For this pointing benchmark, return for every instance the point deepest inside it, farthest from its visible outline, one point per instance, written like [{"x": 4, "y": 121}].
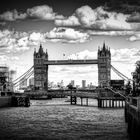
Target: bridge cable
[
  {"x": 23, "y": 74},
  {"x": 120, "y": 74},
  {"x": 24, "y": 77},
  {"x": 26, "y": 73}
]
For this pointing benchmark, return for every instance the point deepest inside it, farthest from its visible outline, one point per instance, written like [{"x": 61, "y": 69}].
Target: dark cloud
[
  {"x": 125, "y": 6},
  {"x": 134, "y": 17}
]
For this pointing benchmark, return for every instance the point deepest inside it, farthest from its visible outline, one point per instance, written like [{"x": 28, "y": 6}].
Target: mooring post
[
  {"x": 106, "y": 103},
  {"x": 119, "y": 103},
  {"x": 98, "y": 102},
  {"x": 87, "y": 101},
  {"x": 109, "y": 103},
  {"x": 112, "y": 103},
  {"x": 103, "y": 102},
  {"x": 81, "y": 101}
]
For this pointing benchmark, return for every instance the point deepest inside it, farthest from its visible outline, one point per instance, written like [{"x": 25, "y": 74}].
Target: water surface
[{"x": 57, "y": 120}]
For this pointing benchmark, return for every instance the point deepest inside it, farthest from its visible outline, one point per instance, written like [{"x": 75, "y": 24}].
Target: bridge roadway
[
  {"x": 78, "y": 93},
  {"x": 70, "y": 62}
]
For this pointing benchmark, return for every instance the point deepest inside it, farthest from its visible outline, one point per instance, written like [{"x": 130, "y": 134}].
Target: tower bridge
[
  {"x": 41, "y": 64},
  {"x": 103, "y": 62}
]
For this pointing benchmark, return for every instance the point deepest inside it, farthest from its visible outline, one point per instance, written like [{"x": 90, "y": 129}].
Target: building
[
  {"x": 31, "y": 81},
  {"x": 104, "y": 66},
  {"x": 83, "y": 83},
  {"x": 117, "y": 84},
  {"x": 40, "y": 70},
  {"x": 4, "y": 77},
  {"x": 73, "y": 83}
]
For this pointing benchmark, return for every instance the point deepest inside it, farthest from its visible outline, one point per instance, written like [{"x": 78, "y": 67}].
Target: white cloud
[
  {"x": 67, "y": 35},
  {"x": 98, "y": 19},
  {"x": 12, "y": 41},
  {"x": 43, "y": 12},
  {"x": 86, "y": 54},
  {"x": 110, "y": 33},
  {"x": 122, "y": 59},
  {"x": 128, "y": 56},
  {"x": 70, "y": 21},
  {"x": 36, "y": 37},
  {"x": 12, "y": 15},
  {"x": 3, "y": 58},
  {"x": 135, "y": 37}
]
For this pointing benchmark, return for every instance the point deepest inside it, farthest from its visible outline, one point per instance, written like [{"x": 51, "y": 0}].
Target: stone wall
[{"x": 5, "y": 101}]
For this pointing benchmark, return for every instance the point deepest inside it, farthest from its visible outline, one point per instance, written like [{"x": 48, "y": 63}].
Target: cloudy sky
[{"x": 72, "y": 27}]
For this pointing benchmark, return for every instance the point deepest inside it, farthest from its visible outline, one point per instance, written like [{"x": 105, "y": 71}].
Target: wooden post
[
  {"x": 115, "y": 102},
  {"x": 81, "y": 101},
  {"x": 98, "y": 102},
  {"x": 106, "y": 103},
  {"x": 112, "y": 103},
  {"x": 109, "y": 103},
  {"x": 73, "y": 100},
  {"x": 87, "y": 101},
  {"x": 119, "y": 103},
  {"x": 103, "y": 102},
  {"x": 122, "y": 103}
]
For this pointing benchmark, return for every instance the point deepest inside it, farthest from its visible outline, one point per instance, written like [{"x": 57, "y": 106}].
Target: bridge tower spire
[
  {"x": 104, "y": 66},
  {"x": 40, "y": 70}
]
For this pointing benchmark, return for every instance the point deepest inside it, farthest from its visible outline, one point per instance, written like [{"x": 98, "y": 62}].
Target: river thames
[{"x": 58, "y": 120}]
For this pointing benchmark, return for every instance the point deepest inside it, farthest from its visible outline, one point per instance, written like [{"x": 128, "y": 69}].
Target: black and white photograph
[{"x": 69, "y": 69}]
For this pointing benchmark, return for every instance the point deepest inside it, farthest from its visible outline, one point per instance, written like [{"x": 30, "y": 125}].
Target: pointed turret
[
  {"x": 40, "y": 51},
  {"x": 104, "y": 47},
  {"x": 46, "y": 54},
  {"x": 35, "y": 52}
]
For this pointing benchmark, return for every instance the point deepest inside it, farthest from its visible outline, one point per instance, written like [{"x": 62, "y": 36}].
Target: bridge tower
[
  {"x": 40, "y": 70},
  {"x": 104, "y": 66}
]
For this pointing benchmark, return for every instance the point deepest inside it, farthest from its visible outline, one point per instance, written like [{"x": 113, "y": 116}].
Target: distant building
[
  {"x": 72, "y": 83},
  {"x": 83, "y": 83},
  {"x": 77, "y": 86},
  {"x": 31, "y": 81},
  {"x": 23, "y": 84}
]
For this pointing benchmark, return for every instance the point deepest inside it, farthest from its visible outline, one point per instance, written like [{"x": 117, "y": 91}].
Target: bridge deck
[
  {"x": 84, "y": 94},
  {"x": 70, "y": 62}
]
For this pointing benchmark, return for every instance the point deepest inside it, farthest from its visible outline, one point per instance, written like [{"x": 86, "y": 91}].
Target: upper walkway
[{"x": 71, "y": 62}]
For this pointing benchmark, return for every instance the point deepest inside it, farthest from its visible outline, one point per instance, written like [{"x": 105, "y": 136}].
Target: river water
[{"x": 58, "y": 120}]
